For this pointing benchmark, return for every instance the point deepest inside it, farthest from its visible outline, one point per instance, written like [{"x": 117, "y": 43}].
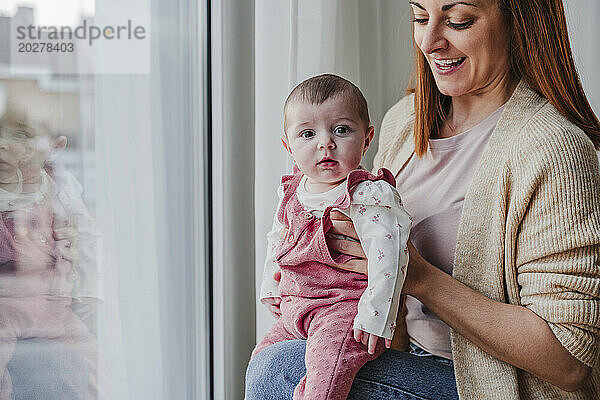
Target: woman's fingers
[
  {"x": 345, "y": 246},
  {"x": 358, "y": 265},
  {"x": 388, "y": 343},
  {"x": 357, "y": 335},
  {"x": 66, "y": 233},
  {"x": 344, "y": 227},
  {"x": 339, "y": 216}
]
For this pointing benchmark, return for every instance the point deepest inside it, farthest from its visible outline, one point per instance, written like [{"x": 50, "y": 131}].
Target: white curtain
[
  {"x": 367, "y": 42},
  {"x": 150, "y": 333}
]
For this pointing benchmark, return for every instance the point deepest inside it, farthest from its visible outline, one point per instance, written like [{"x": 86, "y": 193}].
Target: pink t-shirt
[{"x": 433, "y": 190}]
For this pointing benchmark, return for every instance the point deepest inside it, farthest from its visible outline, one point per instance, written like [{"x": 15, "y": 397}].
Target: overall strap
[
  {"x": 360, "y": 175},
  {"x": 290, "y": 184}
]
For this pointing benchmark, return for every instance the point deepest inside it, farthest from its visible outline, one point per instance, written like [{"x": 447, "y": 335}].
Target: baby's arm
[
  {"x": 383, "y": 227},
  {"x": 269, "y": 288}
]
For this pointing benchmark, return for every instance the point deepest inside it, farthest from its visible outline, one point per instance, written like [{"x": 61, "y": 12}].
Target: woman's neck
[{"x": 469, "y": 110}]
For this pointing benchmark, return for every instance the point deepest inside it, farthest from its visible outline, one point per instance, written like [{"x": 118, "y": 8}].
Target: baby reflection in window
[{"x": 48, "y": 277}]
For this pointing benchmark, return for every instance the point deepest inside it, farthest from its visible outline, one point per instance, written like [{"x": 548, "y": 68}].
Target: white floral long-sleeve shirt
[{"x": 382, "y": 226}]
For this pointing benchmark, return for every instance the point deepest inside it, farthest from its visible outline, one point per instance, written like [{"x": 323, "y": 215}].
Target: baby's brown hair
[{"x": 317, "y": 89}]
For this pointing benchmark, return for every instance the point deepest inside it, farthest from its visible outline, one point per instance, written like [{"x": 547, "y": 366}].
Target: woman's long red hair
[{"x": 540, "y": 55}]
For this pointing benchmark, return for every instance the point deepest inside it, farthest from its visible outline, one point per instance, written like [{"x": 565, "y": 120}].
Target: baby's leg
[
  {"x": 333, "y": 357},
  {"x": 277, "y": 333}
]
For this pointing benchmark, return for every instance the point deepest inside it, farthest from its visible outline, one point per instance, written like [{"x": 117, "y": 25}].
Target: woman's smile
[{"x": 448, "y": 66}]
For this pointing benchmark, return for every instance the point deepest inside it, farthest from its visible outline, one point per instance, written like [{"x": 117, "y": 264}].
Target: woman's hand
[
  {"x": 511, "y": 333},
  {"x": 342, "y": 225}
]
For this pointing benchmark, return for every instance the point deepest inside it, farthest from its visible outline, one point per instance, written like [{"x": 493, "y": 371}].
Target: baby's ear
[
  {"x": 368, "y": 138},
  {"x": 284, "y": 142},
  {"x": 60, "y": 143}
]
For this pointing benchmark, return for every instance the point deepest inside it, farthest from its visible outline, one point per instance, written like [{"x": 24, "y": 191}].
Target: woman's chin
[{"x": 450, "y": 91}]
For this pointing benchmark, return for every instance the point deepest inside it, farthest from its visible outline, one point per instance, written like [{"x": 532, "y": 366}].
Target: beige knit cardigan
[{"x": 529, "y": 235}]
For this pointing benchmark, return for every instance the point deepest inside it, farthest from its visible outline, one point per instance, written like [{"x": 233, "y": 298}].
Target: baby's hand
[
  {"x": 369, "y": 340},
  {"x": 272, "y": 304}
]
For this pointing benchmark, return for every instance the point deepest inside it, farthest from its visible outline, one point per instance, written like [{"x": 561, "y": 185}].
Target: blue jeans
[
  {"x": 42, "y": 369},
  {"x": 275, "y": 371}
]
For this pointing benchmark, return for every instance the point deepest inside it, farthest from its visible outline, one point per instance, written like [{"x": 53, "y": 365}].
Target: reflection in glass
[{"x": 48, "y": 274}]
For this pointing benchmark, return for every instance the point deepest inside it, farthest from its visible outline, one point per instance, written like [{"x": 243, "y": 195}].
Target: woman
[{"x": 494, "y": 157}]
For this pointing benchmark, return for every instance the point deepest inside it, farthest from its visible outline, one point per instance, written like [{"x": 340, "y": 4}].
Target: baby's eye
[
  {"x": 307, "y": 134},
  {"x": 21, "y": 135},
  {"x": 341, "y": 130}
]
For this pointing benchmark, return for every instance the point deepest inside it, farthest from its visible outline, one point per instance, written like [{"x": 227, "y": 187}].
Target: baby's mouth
[{"x": 327, "y": 162}]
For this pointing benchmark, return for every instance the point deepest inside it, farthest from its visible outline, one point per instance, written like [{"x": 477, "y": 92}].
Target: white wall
[{"x": 584, "y": 32}]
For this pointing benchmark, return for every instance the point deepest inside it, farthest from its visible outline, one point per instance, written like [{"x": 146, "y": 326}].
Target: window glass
[{"x": 101, "y": 201}]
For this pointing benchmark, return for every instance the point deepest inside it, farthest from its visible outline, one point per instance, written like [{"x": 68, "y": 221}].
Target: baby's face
[
  {"x": 15, "y": 147},
  {"x": 326, "y": 140}
]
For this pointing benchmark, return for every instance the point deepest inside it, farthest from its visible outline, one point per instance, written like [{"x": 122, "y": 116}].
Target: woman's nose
[
  {"x": 432, "y": 39},
  {"x": 4, "y": 145}
]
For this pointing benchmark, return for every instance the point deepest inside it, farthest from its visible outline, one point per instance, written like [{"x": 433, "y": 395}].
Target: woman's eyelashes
[
  {"x": 459, "y": 26},
  {"x": 454, "y": 25}
]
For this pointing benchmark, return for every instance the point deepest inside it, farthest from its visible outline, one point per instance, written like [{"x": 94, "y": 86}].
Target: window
[{"x": 104, "y": 169}]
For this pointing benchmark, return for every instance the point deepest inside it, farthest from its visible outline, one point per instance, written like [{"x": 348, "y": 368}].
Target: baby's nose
[{"x": 327, "y": 143}]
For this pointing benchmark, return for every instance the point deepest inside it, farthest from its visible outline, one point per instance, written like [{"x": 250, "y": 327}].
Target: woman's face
[{"x": 466, "y": 44}]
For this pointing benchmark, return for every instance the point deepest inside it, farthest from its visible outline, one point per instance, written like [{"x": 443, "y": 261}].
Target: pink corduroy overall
[
  {"x": 319, "y": 302},
  {"x": 34, "y": 292}
]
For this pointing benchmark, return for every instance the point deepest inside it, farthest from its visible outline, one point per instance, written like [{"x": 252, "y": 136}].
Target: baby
[
  {"x": 45, "y": 235},
  {"x": 327, "y": 131}
]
